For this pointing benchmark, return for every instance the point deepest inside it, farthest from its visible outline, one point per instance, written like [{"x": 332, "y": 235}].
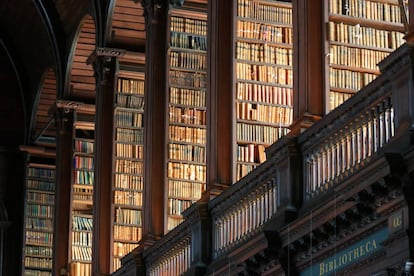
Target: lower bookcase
[{"x": 39, "y": 218}]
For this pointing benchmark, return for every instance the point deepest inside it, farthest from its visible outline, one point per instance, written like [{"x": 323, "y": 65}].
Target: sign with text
[{"x": 348, "y": 256}]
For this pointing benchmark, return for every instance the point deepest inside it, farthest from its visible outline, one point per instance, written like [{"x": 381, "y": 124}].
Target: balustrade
[
  {"x": 245, "y": 217},
  {"x": 345, "y": 150},
  {"x": 176, "y": 261}
]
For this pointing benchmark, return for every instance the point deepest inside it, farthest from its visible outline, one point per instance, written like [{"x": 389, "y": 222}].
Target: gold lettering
[
  {"x": 356, "y": 253},
  {"x": 374, "y": 244},
  {"x": 361, "y": 250},
  {"x": 321, "y": 269},
  {"x": 349, "y": 256},
  {"x": 344, "y": 259},
  {"x": 397, "y": 222},
  {"x": 330, "y": 266},
  {"x": 368, "y": 246}
]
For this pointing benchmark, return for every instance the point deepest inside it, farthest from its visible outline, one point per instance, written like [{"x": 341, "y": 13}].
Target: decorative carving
[
  {"x": 152, "y": 7},
  {"x": 102, "y": 60}
]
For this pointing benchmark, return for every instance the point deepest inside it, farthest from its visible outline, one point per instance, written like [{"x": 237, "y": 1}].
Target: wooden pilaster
[
  {"x": 155, "y": 121},
  {"x": 103, "y": 60},
  {"x": 64, "y": 121},
  {"x": 220, "y": 97},
  {"x": 308, "y": 65}
]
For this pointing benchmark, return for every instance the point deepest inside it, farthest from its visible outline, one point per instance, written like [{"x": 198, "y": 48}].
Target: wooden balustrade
[
  {"x": 176, "y": 261},
  {"x": 345, "y": 150},
  {"x": 246, "y": 216}
]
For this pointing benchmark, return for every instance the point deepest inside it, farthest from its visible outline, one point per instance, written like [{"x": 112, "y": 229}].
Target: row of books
[
  {"x": 188, "y": 25},
  {"x": 266, "y": 53},
  {"x": 264, "y": 113},
  {"x": 261, "y": 11},
  {"x": 251, "y": 153},
  {"x": 83, "y": 162},
  {"x": 130, "y": 86},
  {"x": 129, "y": 135},
  {"x": 128, "y": 181},
  {"x": 128, "y": 166},
  {"x": 188, "y": 41},
  {"x": 128, "y": 118},
  {"x": 129, "y": 216},
  {"x": 129, "y": 150},
  {"x": 373, "y": 10},
  {"x": 83, "y": 146},
  {"x": 81, "y": 238},
  {"x": 177, "y": 206},
  {"x": 41, "y": 185},
  {"x": 242, "y": 169},
  {"x": 185, "y": 189},
  {"x": 41, "y": 197},
  {"x": 125, "y": 233},
  {"x": 83, "y": 177},
  {"x": 337, "y": 98},
  {"x": 31, "y": 272},
  {"x": 252, "y": 133},
  {"x": 39, "y": 210},
  {"x": 364, "y": 36},
  {"x": 265, "y": 73},
  {"x": 189, "y": 97},
  {"x": 190, "y": 60},
  {"x": 128, "y": 197},
  {"x": 80, "y": 269},
  {"x": 264, "y": 32},
  {"x": 81, "y": 253},
  {"x": 39, "y": 238},
  {"x": 82, "y": 223},
  {"x": 41, "y": 173},
  {"x": 187, "y": 115},
  {"x": 38, "y": 262},
  {"x": 187, "y": 152},
  {"x": 346, "y": 79},
  {"x": 186, "y": 171},
  {"x": 121, "y": 249},
  {"x": 82, "y": 195},
  {"x": 130, "y": 101},
  {"x": 356, "y": 57},
  {"x": 173, "y": 221},
  {"x": 188, "y": 79},
  {"x": 38, "y": 251},
  {"x": 267, "y": 94},
  {"x": 37, "y": 223},
  {"x": 188, "y": 134}
]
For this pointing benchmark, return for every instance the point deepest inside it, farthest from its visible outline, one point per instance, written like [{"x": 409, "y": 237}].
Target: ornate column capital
[
  {"x": 151, "y": 7},
  {"x": 102, "y": 60}
]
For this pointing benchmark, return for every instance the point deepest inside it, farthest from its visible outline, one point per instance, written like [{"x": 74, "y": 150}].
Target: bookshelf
[
  {"x": 82, "y": 193},
  {"x": 263, "y": 78},
  {"x": 39, "y": 218},
  {"x": 186, "y": 146},
  {"x": 128, "y": 159},
  {"x": 360, "y": 34}
]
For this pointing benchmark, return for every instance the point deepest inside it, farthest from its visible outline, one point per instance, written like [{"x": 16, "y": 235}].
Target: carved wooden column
[
  {"x": 64, "y": 122},
  {"x": 156, "y": 12},
  {"x": 220, "y": 97},
  {"x": 103, "y": 60},
  {"x": 308, "y": 63}
]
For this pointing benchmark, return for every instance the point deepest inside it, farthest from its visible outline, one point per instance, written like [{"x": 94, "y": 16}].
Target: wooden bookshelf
[
  {"x": 128, "y": 159},
  {"x": 263, "y": 78},
  {"x": 39, "y": 217},
  {"x": 360, "y": 33},
  {"x": 186, "y": 140},
  {"x": 82, "y": 193}
]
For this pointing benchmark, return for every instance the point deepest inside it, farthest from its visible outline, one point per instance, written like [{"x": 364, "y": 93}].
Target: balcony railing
[{"x": 379, "y": 118}]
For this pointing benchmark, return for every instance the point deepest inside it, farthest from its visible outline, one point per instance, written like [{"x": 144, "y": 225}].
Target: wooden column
[
  {"x": 154, "y": 205},
  {"x": 103, "y": 61},
  {"x": 64, "y": 122},
  {"x": 220, "y": 97},
  {"x": 308, "y": 63}
]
